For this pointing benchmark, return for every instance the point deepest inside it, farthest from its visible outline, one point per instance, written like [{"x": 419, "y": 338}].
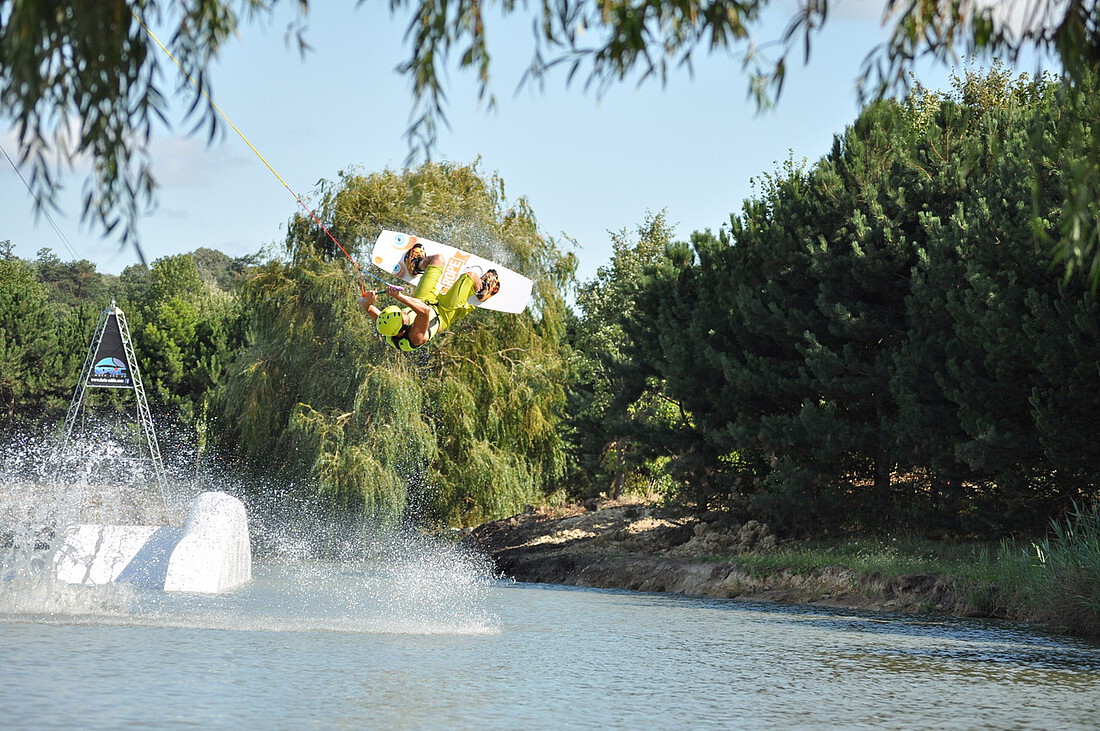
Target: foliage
[
  {"x": 617, "y": 418},
  {"x": 879, "y": 555},
  {"x": 186, "y": 332},
  {"x": 288, "y": 404},
  {"x": 225, "y": 272},
  {"x": 72, "y": 283},
  {"x": 85, "y": 79},
  {"x": 1068, "y": 572},
  {"x": 878, "y": 339},
  {"x": 38, "y": 349},
  {"x": 1054, "y": 580},
  {"x": 609, "y": 42},
  {"x": 616, "y": 40},
  {"x": 460, "y": 431}
]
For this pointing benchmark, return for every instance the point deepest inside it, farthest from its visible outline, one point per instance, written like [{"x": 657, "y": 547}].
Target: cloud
[
  {"x": 1025, "y": 15},
  {"x": 187, "y": 162},
  {"x": 845, "y": 9},
  {"x": 859, "y": 9},
  {"x": 1015, "y": 15},
  {"x": 11, "y": 146},
  {"x": 60, "y": 141}
]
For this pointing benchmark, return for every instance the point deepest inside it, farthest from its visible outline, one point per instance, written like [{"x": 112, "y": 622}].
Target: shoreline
[{"x": 634, "y": 545}]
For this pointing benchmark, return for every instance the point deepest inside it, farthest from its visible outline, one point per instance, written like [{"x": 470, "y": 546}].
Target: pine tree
[{"x": 889, "y": 312}]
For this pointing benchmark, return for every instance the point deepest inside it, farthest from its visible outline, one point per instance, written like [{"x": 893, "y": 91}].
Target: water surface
[{"x": 428, "y": 643}]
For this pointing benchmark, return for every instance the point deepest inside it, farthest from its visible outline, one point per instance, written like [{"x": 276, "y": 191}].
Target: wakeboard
[{"x": 389, "y": 256}]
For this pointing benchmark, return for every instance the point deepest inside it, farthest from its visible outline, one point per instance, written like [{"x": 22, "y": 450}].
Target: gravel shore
[{"x": 637, "y": 545}]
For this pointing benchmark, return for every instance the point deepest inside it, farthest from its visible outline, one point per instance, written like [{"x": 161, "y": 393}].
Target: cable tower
[{"x": 111, "y": 363}]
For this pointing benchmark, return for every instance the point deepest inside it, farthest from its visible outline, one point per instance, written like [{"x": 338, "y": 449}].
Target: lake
[{"x": 426, "y": 638}]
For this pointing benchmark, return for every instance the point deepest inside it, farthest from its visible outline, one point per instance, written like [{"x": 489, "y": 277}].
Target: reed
[
  {"x": 999, "y": 581},
  {"x": 1067, "y": 577}
]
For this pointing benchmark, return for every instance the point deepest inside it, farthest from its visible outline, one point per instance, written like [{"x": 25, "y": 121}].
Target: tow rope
[{"x": 362, "y": 288}]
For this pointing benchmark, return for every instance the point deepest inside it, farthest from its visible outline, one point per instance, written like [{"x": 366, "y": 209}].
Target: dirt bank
[{"x": 639, "y": 546}]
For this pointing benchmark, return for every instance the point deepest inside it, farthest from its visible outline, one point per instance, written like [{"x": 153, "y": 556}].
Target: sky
[{"x": 587, "y": 164}]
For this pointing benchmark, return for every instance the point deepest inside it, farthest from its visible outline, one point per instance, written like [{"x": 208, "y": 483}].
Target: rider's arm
[{"x": 418, "y": 331}]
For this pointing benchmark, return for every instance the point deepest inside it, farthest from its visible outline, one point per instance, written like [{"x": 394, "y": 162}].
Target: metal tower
[{"x": 111, "y": 363}]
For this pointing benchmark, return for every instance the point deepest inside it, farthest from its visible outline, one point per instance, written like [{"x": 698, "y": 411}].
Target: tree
[
  {"x": 71, "y": 283},
  {"x": 186, "y": 331},
  {"x": 42, "y": 344},
  {"x": 989, "y": 326},
  {"x": 94, "y": 63},
  {"x": 463, "y": 430},
  {"x": 134, "y": 284},
  {"x": 618, "y": 421},
  {"x": 221, "y": 269},
  {"x": 876, "y": 338},
  {"x": 82, "y": 78}
]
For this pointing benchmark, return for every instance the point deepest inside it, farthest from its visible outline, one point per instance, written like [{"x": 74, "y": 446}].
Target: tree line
[
  {"x": 876, "y": 341},
  {"x": 879, "y": 340}
]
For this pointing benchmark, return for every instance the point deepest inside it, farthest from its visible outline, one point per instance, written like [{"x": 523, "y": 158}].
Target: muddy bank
[{"x": 639, "y": 546}]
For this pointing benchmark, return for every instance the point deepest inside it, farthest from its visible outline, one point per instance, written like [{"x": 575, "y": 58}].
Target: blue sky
[{"x": 587, "y": 164}]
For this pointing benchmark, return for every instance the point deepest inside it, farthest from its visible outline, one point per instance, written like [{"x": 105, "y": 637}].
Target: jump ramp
[{"x": 210, "y": 553}]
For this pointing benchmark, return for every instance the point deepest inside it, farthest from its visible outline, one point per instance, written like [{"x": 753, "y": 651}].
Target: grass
[
  {"x": 1054, "y": 581},
  {"x": 888, "y": 556},
  {"x": 1067, "y": 586}
]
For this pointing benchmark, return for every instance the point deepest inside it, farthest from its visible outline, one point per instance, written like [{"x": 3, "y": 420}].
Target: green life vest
[{"x": 401, "y": 342}]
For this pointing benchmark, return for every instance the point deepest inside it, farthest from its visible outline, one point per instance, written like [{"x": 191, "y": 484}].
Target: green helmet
[{"x": 390, "y": 321}]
